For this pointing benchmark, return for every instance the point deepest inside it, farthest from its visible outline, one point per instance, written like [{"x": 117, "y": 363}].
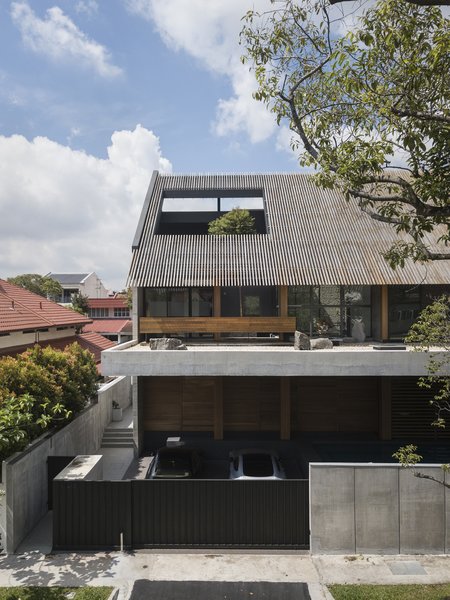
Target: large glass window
[
  {"x": 404, "y": 308},
  {"x": 330, "y": 310},
  {"x": 178, "y": 302}
]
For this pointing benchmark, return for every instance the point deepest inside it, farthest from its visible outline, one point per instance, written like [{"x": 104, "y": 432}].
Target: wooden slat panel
[
  {"x": 216, "y": 324},
  {"x": 162, "y": 398},
  {"x": 198, "y": 404},
  {"x": 335, "y": 404},
  {"x": 251, "y": 404}
]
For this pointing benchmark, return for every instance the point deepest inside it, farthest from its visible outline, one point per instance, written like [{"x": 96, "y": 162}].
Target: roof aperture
[{"x": 191, "y": 214}]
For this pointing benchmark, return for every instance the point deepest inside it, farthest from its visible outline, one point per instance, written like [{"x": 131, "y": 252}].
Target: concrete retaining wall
[
  {"x": 378, "y": 509},
  {"x": 25, "y": 473}
]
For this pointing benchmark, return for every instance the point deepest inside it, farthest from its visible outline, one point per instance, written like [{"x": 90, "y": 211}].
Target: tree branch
[
  {"x": 417, "y": 2},
  {"x": 421, "y": 115}
]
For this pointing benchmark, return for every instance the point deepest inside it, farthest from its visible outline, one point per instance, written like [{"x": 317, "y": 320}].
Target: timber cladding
[
  {"x": 347, "y": 404},
  {"x": 188, "y": 403}
]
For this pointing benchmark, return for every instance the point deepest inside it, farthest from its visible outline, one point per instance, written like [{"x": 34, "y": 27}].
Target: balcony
[{"x": 181, "y": 325}]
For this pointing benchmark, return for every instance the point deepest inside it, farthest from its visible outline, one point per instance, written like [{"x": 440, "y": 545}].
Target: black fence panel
[
  {"x": 91, "y": 515},
  {"x": 55, "y": 464},
  {"x": 215, "y": 513}
]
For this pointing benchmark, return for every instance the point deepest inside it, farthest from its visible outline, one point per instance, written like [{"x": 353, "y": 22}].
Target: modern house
[
  {"x": 110, "y": 318},
  {"x": 315, "y": 264},
  {"x": 27, "y": 319},
  {"x": 88, "y": 284}
]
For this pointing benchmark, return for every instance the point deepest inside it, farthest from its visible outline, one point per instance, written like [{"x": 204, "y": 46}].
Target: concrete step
[
  {"x": 117, "y": 438},
  {"x": 115, "y": 444}
]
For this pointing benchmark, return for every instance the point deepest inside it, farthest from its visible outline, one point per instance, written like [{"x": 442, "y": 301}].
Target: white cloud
[
  {"x": 209, "y": 31},
  {"x": 89, "y": 7},
  {"x": 57, "y": 37},
  {"x": 68, "y": 211}
]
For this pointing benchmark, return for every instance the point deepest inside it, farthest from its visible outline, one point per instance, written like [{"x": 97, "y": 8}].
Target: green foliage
[
  {"x": 54, "y": 593},
  {"x": 80, "y": 303},
  {"x": 38, "y": 284},
  {"x": 363, "y": 104},
  {"x": 237, "y": 221},
  {"x": 431, "y": 333},
  {"x": 391, "y": 592},
  {"x": 42, "y": 388}
]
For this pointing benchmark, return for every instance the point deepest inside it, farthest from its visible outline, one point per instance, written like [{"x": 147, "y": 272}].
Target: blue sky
[{"x": 94, "y": 95}]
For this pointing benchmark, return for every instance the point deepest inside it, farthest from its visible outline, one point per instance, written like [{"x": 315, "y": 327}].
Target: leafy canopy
[
  {"x": 38, "y": 284},
  {"x": 237, "y": 221},
  {"x": 369, "y": 110},
  {"x": 42, "y": 388},
  {"x": 80, "y": 303}
]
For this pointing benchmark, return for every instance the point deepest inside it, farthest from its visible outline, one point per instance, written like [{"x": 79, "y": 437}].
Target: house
[
  {"x": 88, "y": 284},
  {"x": 27, "y": 319},
  {"x": 314, "y": 264},
  {"x": 110, "y": 318}
]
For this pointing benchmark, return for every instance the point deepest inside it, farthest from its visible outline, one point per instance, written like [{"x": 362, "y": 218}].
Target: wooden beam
[
  {"x": 385, "y": 426},
  {"x": 217, "y": 309},
  {"x": 384, "y": 317},
  {"x": 285, "y": 408},
  {"x": 283, "y": 301},
  {"x": 218, "y": 408},
  {"x": 282, "y": 304}
]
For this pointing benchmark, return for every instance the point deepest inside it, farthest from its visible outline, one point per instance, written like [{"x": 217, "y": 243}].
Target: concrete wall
[
  {"x": 378, "y": 509},
  {"x": 25, "y": 473}
]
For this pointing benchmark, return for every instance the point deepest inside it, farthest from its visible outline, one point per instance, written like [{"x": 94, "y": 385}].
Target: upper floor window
[
  {"x": 330, "y": 310},
  {"x": 122, "y": 311},
  {"x": 179, "y": 302},
  {"x": 98, "y": 313}
]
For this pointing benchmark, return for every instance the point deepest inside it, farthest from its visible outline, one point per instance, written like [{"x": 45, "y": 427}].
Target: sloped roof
[
  {"x": 68, "y": 278},
  {"x": 109, "y": 326},
  {"x": 314, "y": 237},
  {"x": 21, "y": 309}
]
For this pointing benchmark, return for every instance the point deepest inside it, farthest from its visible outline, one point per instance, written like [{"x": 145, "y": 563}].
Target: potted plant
[{"x": 116, "y": 411}]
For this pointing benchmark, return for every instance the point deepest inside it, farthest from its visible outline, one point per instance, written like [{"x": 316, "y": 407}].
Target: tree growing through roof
[
  {"x": 38, "y": 284},
  {"x": 369, "y": 109},
  {"x": 431, "y": 334},
  {"x": 237, "y": 221},
  {"x": 40, "y": 389}
]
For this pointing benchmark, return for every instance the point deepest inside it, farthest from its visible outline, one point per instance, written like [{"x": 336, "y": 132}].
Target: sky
[{"x": 95, "y": 95}]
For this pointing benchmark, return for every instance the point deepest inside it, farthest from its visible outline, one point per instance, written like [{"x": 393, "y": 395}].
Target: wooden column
[
  {"x": 218, "y": 408},
  {"x": 384, "y": 316},
  {"x": 285, "y": 408},
  {"x": 282, "y": 303},
  {"x": 385, "y": 426},
  {"x": 217, "y": 306}
]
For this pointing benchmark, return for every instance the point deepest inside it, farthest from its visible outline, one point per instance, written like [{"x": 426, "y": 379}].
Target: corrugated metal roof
[
  {"x": 315, "y": 237},
  {"x": 68, "y": 278}
]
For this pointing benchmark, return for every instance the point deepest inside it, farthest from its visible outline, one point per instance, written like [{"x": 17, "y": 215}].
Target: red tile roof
[
  {"x": 107, "y": 303},
  {"x": 21, "y": 309},
  {"x": 109, "y": 326}
]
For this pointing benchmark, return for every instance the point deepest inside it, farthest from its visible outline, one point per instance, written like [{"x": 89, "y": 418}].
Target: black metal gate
[
  {"x": 91, "y": 515},
  {"x": 55, "y": 464}
]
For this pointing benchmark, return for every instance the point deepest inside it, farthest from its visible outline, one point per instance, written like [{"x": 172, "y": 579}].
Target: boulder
[
  {"x": 166, "y": 344},
  {"x": 301, "y": 341},
  {"x": 321, "y": 344}
]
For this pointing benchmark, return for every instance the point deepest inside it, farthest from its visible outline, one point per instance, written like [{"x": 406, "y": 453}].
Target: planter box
[{"x": 117, "y": 414}]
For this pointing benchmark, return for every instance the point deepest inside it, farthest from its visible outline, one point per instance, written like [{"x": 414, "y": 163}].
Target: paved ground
[{"x": 206, "y": 590}]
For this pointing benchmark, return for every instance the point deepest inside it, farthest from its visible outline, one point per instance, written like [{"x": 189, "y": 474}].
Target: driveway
[{"x": 218, "y": 590}]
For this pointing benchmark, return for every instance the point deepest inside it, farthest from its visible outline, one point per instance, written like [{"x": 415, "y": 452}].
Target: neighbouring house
[
  {"x": 110, "y": 318},
  {"x": 27, "y": 319},
  {"x": 88, "y": 284}
]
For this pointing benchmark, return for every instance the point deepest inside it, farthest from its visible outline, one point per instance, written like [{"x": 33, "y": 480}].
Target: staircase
[{"x": 116, "y": 437}]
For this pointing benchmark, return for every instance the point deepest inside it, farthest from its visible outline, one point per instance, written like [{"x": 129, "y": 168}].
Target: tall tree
[
  {"x": 369, "y": 110},
  {"x": 38, "y": 284}
]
